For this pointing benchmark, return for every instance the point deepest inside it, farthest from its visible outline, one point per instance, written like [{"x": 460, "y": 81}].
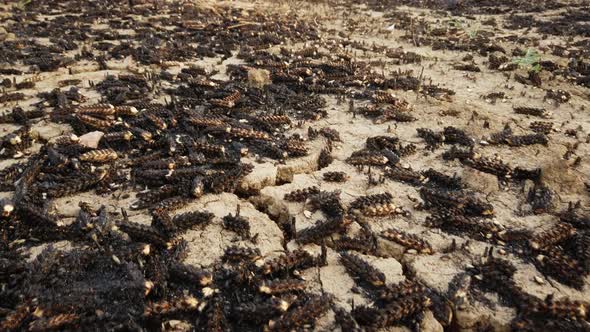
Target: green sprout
[{"x": 530, "y": 60}]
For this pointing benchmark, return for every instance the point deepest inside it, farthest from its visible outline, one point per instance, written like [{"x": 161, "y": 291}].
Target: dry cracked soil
[{"x": 151, "y": 154}]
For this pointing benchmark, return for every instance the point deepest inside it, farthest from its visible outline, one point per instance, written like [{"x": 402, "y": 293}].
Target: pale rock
[{"x": 91, "y": 139}]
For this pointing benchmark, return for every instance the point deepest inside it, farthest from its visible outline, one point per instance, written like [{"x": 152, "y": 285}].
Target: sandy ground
[{"x": 470, "y": 111}]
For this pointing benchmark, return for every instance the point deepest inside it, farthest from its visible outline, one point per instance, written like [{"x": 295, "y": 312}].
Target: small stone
[
  {"x": 307, "y": 214},
  {"x": 539, "y": 280},
  {"x": 91, "y": 139}
]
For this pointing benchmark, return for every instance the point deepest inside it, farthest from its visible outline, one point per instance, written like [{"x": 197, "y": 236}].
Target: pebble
[{"x": 91, "y": 139}]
